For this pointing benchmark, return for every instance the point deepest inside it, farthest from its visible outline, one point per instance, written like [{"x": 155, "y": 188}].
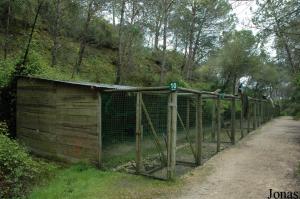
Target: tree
[
  {"x": 281, "y": 19},
  {"x": 235, "y": 58},
  {"x": 5, "y": 46},
  {"x": 13, "y": 13},
  {"x": 167, "y": 5},
  {"x": 121, "y": 40},
  {"x": 197, "y": 26},
  {"x": 92, "y": 7},
  {"x": 20, "y": 66},
  {"x": 130, "y": 37},
  {"x": 56, "y": 32}
]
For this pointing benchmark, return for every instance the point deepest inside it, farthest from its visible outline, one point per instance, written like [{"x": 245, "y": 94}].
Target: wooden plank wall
[{"x": 57, "y": 120}]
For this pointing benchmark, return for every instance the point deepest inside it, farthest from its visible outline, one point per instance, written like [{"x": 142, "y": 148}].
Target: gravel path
[{"x": 266, "y": 159}]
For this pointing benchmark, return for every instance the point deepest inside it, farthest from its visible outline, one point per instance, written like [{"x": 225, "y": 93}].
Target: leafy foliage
[{"x": 18, "y": 171}]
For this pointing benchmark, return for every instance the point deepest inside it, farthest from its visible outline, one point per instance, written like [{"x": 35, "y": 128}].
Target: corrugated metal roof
[{"x": 85, "y": 84}]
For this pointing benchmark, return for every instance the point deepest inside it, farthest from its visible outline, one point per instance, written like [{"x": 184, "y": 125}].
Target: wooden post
[
  {"x": 213, "y": 122},
  {"x": 268, "y": 111},
  {"x": 233, "y": 120},
  {"x": 99, "y": 129},
  {"x": 172, "y": 132},
  {"x": 261, "y": 114},
  {"x": 138, "y": 132},
  {"x": 188, "y": 115},
  {"x": 242, "y": 120},
  {"x": 248, "y": 117},
  {"x": 218, "y": 118},
  {"x": 254, "y": 115},
  {"x": 199, "y": 126},
  {"x": 263, "y": 111},
  {"x": 258, "y": 114}
]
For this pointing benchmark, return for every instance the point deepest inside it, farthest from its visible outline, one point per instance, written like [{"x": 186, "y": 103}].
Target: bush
[{"x": 18, "y": 171}]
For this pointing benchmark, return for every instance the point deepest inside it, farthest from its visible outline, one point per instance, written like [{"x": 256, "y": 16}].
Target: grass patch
[{"x": 82, "y": 181}]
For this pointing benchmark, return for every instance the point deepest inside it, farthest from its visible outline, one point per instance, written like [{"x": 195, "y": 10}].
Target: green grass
[{"x": 81, "y": 181}]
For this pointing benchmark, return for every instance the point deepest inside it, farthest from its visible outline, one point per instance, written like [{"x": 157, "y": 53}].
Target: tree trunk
[
  {"x": 234, "y": 84},
  {"x": 197, "y": 42},
  {"x": 176, "y": 42},
  {"x": 6, "y": 40},
  {"x": 184, "y": 57},
  {"x": 18, "y": 67},
  {"x": 77, "y": 65},
  {"x": 280, "y": 34},
  {"x": 114, "y": 12},
  {"x": 188, "y": 62},
  {"x": 120, "y": 52},
  {"x": 163, "y": 65},
  {"x": 158, "y": 24},
  {"x": 56, "y": 34}
]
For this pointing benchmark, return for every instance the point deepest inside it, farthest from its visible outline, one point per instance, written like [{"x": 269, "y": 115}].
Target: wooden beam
[
  {"x": 199, "y": 127},
  {"x": 138, "y": 89},
  {"x": 172, "y": 132},
  {"x": 138, "y": 132}
]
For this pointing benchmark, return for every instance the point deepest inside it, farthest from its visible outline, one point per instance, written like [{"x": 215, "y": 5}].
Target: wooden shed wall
[{"x": 58, "y": 120}]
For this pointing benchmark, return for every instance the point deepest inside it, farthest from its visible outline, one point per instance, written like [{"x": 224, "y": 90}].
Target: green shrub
[
  {"x": 6, "y": 71},
  {"x": 18, "y": 171}
]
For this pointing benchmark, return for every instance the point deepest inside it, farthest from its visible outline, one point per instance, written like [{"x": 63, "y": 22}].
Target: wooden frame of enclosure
[
  {"x": 58, "y": 135},
  {"x": 173, "y": 116}
]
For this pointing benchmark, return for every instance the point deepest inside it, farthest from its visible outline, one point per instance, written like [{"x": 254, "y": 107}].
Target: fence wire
[{"x": 120, "y": 149}]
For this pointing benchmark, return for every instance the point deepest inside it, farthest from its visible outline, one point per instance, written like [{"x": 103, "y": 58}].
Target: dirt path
[{"x": 266, "y": 159}]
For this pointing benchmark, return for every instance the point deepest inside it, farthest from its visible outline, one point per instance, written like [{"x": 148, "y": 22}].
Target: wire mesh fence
[{"x": 161, "y": 133}]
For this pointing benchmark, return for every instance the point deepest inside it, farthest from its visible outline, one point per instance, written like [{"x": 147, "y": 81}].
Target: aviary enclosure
[{"x": 159, "y": 132}]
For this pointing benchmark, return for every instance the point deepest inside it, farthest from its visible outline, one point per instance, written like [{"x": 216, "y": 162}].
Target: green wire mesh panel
[
  {"x": 186, "y": 129},
  {"x": 119, "y": 138},
  {"x": 118, "y": 130},
  {"x": 209, "y": 146},
  {"x": 225, "y": 111},
  {"x": 251, "y": 115},
  {"x": 154, "y": 136},
  {"x": 239, "y": 120}
]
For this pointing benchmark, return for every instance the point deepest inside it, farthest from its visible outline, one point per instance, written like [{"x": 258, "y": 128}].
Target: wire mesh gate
[{"x": 160, "y": 133}]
